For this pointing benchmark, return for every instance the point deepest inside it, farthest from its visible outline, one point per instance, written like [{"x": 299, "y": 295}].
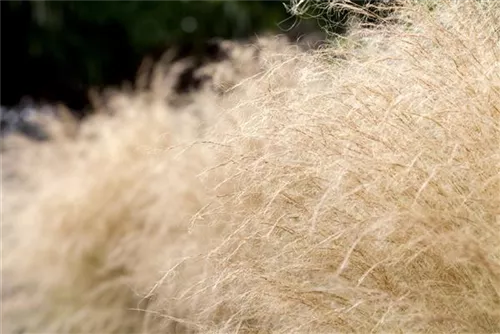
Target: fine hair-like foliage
[{"x": 350, "y": 189}]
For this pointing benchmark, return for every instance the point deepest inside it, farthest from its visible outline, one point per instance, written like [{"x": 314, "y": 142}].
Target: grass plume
[{"x": 322, "y": 194}]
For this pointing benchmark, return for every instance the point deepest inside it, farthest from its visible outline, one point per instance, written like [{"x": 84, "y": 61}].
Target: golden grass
[{"x": 322, "y": 195}]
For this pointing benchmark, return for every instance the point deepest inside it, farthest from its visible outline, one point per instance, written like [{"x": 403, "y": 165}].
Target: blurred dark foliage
[{"x": 56, "y": 50}]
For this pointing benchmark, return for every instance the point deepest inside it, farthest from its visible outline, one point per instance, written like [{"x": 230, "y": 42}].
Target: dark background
[{"x": 54, "y": 51}]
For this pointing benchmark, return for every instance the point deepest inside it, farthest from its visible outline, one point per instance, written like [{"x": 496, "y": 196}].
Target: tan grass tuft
[{"x": 324, "y": 194}]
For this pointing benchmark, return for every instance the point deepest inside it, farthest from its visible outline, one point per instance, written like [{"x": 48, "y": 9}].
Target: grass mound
[{"x": 325, "y": 194}]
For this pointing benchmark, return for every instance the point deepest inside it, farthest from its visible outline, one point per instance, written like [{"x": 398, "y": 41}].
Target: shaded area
[{"x": 55, "y": 51}]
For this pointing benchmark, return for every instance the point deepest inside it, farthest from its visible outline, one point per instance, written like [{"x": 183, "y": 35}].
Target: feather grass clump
[{"x": 324, "y": 194}]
